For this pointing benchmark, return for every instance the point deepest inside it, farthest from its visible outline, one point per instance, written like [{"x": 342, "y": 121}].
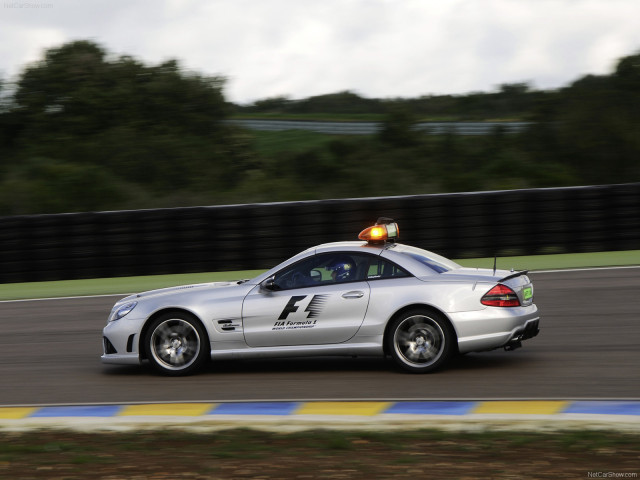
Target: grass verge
[
  {"x": 107, "y": 286},
  {"x": 317, "y": 454},
  {"x": 558, "y": 261}
]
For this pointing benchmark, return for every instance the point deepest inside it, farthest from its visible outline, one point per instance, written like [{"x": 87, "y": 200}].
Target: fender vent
[
  {"x": 228, "y": 325},
  {"x": 109, "y": 349}
]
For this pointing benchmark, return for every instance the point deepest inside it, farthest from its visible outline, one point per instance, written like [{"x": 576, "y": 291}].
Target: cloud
[
  {"x": 378, "y": 48},
  {"x": 26, "y": 45}
]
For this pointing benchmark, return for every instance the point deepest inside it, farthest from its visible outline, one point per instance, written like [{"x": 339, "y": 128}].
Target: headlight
[{"x": 122, "y": 311}]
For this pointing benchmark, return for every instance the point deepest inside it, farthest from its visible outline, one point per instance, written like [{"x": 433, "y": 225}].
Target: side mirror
[
  {"x": 316, "y": 276},
  {"x": 269, "y": 284}
]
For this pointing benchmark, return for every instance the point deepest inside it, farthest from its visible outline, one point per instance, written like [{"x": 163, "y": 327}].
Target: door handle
[{"x": 353, "y": 294}]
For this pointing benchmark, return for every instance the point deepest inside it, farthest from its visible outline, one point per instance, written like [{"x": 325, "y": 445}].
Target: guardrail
[
  {"x": 370, "y": 128},
  {"x": 237, "y": 237}
]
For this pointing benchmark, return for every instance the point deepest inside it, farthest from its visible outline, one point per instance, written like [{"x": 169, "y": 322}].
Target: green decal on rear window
[{"x": 527, "y": 293}]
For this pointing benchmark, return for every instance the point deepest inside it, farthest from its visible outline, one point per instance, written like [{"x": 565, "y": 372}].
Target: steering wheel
[{"x": 298, "y": 279}]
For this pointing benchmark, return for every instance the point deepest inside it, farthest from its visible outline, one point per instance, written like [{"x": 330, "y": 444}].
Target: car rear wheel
[
  {"x": 420, "y": 341},
  {"x": 176, "y": 344}
]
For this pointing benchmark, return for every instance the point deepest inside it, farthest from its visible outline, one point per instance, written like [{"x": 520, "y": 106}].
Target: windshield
[{"x": 435, "y": 262}]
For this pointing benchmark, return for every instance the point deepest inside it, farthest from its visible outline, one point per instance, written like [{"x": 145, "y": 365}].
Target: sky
[{"x": 375, "y": 48}]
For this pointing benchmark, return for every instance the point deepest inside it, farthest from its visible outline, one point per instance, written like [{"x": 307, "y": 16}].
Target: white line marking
[
  {"x": 314, "y": 399},
  {"x": 66, "y": 298},
  {"x": 591, "y": 269}
]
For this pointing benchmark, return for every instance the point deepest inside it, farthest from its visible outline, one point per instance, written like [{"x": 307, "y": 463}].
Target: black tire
[
  {"x": 420, "y": 341},
  {"x": 176, "y": 344}
]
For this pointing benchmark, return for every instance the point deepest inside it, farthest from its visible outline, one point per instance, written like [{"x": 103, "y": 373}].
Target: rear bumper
[
  {"x": 494, "y": 327},
  {"x": 530, "y": 330}
]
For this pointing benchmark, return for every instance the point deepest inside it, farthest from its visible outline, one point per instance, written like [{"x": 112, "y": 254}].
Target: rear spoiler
[{"x": 513, "y": 275}]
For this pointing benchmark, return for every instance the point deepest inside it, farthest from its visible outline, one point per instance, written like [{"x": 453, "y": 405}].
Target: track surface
[{"x": 588, "y": 348}]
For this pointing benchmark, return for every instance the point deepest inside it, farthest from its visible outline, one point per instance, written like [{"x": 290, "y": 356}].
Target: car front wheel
[
  {"x": 176, "y": 344},
  {"x": 420, "y": 341}
]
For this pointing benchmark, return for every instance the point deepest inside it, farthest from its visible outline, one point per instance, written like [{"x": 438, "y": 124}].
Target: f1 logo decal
[
  {"x": 291, "y": 306},
  {"x": 315, "y": 307}
]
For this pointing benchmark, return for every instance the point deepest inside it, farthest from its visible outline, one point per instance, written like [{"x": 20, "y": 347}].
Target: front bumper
[
  {"x": 124, "y": 359},
  {"x": 120, "y": 342}
]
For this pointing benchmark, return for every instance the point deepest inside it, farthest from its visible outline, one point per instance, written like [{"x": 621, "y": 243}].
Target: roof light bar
[{"x": 385, "y": 230}]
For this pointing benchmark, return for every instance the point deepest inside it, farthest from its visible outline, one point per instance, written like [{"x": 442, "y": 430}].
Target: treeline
[
  {"x": 83, "y": 130},
  {"x": 511, "y": 102}
]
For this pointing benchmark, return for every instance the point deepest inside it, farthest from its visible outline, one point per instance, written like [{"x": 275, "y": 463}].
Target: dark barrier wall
[{"x": 219, "y": 238}]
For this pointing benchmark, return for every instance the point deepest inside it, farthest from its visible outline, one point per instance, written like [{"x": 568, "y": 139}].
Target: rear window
[
  {"x": 380, "y": 268},
  {"x": 435, "y": 262}
]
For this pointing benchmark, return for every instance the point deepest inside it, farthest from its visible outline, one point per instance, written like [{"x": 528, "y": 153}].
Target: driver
[{"x": 342, "y": 268}]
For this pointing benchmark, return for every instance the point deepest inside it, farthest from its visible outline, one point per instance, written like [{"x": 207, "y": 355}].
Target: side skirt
[{"x": 345, "y": 349}]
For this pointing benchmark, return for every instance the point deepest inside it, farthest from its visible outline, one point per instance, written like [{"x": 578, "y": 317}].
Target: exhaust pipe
[{"x": 512, "y": 345}]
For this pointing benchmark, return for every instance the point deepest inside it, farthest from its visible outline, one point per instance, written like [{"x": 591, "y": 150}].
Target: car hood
[{"x": 169, "y": 291}]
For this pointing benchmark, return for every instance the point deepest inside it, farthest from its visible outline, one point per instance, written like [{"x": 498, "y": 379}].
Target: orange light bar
[{"x": 379, "y": 233}]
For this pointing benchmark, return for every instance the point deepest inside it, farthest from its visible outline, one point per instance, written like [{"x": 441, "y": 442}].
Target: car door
[{"x": 312, "y": 302}]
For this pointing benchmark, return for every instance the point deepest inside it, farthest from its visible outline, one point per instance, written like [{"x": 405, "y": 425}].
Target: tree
[
  {"x": 596, "y": 124},
  {"x": 155, "y": 126},
  {"x": 270, "y": 105},
  {"x": 398, "y": 128},
  {"x": 77, "y": 90}
]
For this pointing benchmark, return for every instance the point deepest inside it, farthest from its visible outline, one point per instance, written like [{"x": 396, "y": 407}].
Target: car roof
[
  {"x": 349, "y": 246},
  {"x": 398, "y": 253},
  {"x": 390, "y": 251}
]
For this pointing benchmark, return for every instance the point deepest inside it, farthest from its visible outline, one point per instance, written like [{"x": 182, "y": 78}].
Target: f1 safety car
[{"x": 369, "y": 297}]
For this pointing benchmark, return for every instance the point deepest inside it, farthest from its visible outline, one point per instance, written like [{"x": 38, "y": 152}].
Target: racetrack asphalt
[{"x": 587, "y": 349}]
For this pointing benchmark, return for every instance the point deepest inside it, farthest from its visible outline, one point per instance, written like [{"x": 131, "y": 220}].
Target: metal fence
[
  {"x": 219, "y": 238},
  {"x": 370, "y": 128}
]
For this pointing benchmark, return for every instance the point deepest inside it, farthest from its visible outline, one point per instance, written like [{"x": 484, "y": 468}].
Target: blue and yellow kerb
[{"x": 343, "y": 408}]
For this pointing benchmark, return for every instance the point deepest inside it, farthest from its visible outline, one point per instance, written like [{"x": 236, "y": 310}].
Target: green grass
[
  {"x": 271, "y": 144},
  {"x": 349, "y": 454},
  {"x": 106, "y": 286},
  {"x": 558, "y": 261}
]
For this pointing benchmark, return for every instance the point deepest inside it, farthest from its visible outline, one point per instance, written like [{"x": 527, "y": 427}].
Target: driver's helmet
[{"x": 344, "y": 268}]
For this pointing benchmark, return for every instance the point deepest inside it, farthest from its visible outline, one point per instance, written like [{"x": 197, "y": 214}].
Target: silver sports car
[{"x": 369, "y": 297}]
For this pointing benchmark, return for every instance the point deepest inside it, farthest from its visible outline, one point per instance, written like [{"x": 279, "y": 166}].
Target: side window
[
  {"x": 380, "y": 269},
  {"x": 324, "y": 269}
]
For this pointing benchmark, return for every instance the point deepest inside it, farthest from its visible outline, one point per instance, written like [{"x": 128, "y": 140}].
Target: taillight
[{"x": 501, "y": 296}]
